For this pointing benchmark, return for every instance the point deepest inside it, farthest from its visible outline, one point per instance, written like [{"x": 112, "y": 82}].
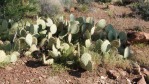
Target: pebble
[
  {"x": 27, "y": 81},
  {"x": 40, "y": 78},
  {"x": 23, "y": 72}
]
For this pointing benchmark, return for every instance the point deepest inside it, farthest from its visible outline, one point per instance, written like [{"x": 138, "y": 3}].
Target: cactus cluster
[{"x": 62, "y": 40}]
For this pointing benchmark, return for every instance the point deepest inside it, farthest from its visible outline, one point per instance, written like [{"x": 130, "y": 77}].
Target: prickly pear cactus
[
  {"x": 65, "y": 47},
  {"x": 54, "y": 53},
  {"x": 116, "y": 43},
  {"x": 4, "y": 26},
  {"x": 22, "y": 33},
  {"x": 2, "y": 56},
  {"x": 14, "y": 57},
  {"x": 7, "y": 46},
  {"x": 123, "y": 37},
  {"x": 73, "y": 27},
  {"x": 72, "y": 17},
  {"x": 98, "y": 44},
  {"x": 33, "y": 48},
  {"x": 90, "y": 20},
  {"x": 88, "y": 43},
  {"x": 47, "y": 61},
  {"x": 92, "y": 30},
  {"x": 69, "y": 38},
  {"x": 34, "y": 40},
  {"x": 49, "y": 35},
  {"x": 29, "y": 39},
  {"x": 58, "y": 43},
  {"x": 49, "y": 22},
  {"x": 127, "y": 52},
  {"x": 101, "y": 24},
  {"x": 41, "y": 22},
  {"x": 86, "y": 62},
  {"x": 87, "y": 35},
  {"x": 53, "y": 29},
  {"x": 105, "y": 47},
  {"x": 64, "y": 40},
  {"x": 33, "y": 29}
]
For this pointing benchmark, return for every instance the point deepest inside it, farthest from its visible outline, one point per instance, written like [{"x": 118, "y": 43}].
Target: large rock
[
  {"x": 113, "y": 74},
  {"x": 145, "y": 71},
  {"x": 142, "y": 80}
]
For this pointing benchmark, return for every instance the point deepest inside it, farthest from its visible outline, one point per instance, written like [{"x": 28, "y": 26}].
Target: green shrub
[
  {"x": 17, "y": 9},
  {"x": 141, "y": 8}
]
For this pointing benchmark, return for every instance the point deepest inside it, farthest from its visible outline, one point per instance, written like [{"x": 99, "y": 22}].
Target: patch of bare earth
[
  {"x": 25, "y": 72},
  {"x": 30, "y": 72}
]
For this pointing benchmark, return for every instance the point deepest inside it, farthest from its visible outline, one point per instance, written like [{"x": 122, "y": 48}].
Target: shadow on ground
[
  {"x": 34, "y": 64},
  {"x": 76, "y": 73}
]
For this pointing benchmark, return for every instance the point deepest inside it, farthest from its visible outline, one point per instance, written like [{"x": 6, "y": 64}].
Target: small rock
[
  {"x": 142, "y": 80},
  {"x": 23, "y": 72},
  {"x": 128, "y": 81},
  {"x": 68, "y": 81},
  {"x": 102, "y": 80},
  {"x": 113, "y": 74},
  {"x": 103, "y": 77},
  {"x": 8, "y": 68},
  {"x": 27, "y": 81},
  {"x": 40, "y": 78}
]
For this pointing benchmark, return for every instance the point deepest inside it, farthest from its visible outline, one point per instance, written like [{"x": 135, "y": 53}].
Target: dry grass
[
  {"x": 141, "y": 54},
  {"x": 115, "y": 61},
  {"x": 51, "y": 7}
]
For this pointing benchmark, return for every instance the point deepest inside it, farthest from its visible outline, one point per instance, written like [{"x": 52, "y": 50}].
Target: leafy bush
[
  {"x": 17, "y": 9},
  {"x": 143, "y": 9}
]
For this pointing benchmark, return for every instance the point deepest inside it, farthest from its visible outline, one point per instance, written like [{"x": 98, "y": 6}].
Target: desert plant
[
  {"x": 141, "y": 8},
  {"x": 64, "y": 41},
  {"x": 17, "y": 9}
]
